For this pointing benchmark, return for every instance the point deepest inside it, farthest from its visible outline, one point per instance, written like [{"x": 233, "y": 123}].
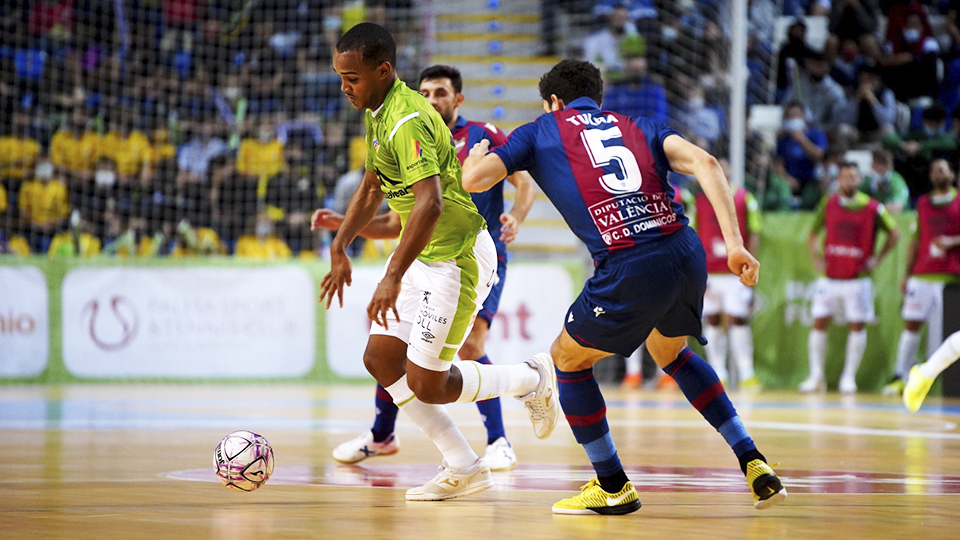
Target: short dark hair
[
  {"x": 934, "y": 112},
  {"x": 440, "y": 71},
  {"x": 375, "y": 44},
  {"x": 572, "y": 79},
  {"x": 848, "y": 165}
]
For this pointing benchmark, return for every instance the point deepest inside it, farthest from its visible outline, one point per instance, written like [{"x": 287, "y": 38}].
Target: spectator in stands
[
  {"x": 914, "y": 151},
  {"x": 698, "y": 122},
  {"x": 820, "y": 96},
  {"x": 159, "y": 150},
  {"x": 128, "y": 147},
  {"x": 873, "y": 108},
  {"x": 76, "y": 241},
  {"x": 180, "y": 22},
  {"x": 910, "y": 59},
  {"x": 53, "y": 20},
  {"x": 193, "y": 158},
  {"x": 771, "y": 190},
  {"x": 75, "y": 148},
  {"x": 44, "y": 206},
  {"x": 261, "y": 157},
  {"x": 885, "y": 184},
  {"x": 853, "y": 20},
  {"x": 603, "y": 47},
  {"x": 637, "y": 94},
  {"x": 18, "y": 151},
  {"x": 194, "y": 242},
  {"x": 292, "y": 197},
  {"x": 643, "y": 13},
  {"x": 800, "y": 149},
  {"x": 263, "y": 244},
  {"x": 792, "y": 56},
  {"x": 234, "y": 196}
]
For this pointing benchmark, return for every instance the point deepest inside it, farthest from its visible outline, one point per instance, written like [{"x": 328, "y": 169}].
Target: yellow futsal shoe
[
  {"x": 594, "y": 500},
  {"x": 766, "y": 487},
  {"x": 917, "y": 387}
]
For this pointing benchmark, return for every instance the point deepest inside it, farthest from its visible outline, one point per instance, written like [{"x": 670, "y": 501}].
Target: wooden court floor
[{"x": 111, "y": 462}]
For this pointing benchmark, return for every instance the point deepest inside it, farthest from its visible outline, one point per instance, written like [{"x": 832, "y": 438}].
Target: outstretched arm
[
  {"x": 381, "y": 227},
  {"x": 687, "y": 158},
  {"x": 482, "y": 171}
]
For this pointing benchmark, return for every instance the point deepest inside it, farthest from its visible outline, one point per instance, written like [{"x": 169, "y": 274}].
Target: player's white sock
[
  {"x": 482, "y": 381},
  {"x": 947, "y": 353},
  {"x": 856, "y": 345},
  {"x": 435, "y": 422},
  {"x": 907, "y": 352},
  {"x": 817, "y": 351},
  {"x": 741, "y": 348},
  {"x": 634, "y": 362},
  {"x": 716, "y": 349}
]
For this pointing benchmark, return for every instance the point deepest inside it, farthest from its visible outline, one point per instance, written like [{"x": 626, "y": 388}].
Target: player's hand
[
  {"x": 511, "y": 226},
  {"x": 480, "y": 149},
  {"x": 384, "y": 300},
  {"x": 325, "y": 218},
  {"x": 340, "y": 274},
  {"x": 872, "y": 263},
  {"x": 742, "y": 263},
  {"x": 946, "y": 243}
]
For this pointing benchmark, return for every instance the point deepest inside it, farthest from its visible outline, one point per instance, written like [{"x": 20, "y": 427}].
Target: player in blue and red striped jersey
[
  {"x": 607, "y": 175},
  {"x": 443, "y": 88}
]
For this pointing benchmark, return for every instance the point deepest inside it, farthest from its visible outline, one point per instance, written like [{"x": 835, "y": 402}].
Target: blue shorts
[
  {"x": 492, "y": 303},
  {"x": 657, "y": 285}
]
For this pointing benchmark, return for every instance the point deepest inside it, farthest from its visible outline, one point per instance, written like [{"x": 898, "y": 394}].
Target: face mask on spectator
[
  {"x": 44, "y": 170},
  {"x": 231, "y": 92},
  {"x": 911, "y": 35},
  {"x": 265, "y": 135},
  {"x": 104, "y": 177},
  {"x": 794, "y": 124},
  {"x": 263, "y": 229},
  {"x": 669, "y": 33},
  {"x": 932, "y": 130},
  {"x": 695, "y": 103}
]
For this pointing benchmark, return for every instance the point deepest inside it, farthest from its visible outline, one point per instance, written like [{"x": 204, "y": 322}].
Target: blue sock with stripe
[
  {"x": 490, "y": 412},
  {"x": 700, "y": 384},
  {"x": 386, "y": 419},
  {"x": 586, "y": 413}
]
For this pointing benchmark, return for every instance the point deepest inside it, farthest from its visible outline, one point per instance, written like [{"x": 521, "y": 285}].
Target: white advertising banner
[
  {"x": 534, "y": 301},
  {"x": 24, "y": 328},
  {"x": 189, "y": 322}
]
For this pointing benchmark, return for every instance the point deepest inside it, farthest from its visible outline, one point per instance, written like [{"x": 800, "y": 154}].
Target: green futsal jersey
[{"x": 408, "y": 141}]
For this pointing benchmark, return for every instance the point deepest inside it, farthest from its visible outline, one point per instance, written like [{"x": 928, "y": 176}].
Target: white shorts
[
  {"x": 438, "y": 303},
  {"x": 924, "y": 302},
  {"x": 725, "y": 294},
  {"x": 856, "y": 296}
]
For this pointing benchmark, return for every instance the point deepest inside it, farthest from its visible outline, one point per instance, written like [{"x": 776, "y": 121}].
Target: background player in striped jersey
[
  {"x": 725, "y": 294},
  {"x": 849, "y": 220},
  {"x": 606, "y": 174},
  {"x": 443, "y": 88},
  {"x": 933, "y": 261}
]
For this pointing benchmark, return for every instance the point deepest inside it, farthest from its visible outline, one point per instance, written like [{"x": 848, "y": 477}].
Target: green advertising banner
[{"x": 781, "y": 320}]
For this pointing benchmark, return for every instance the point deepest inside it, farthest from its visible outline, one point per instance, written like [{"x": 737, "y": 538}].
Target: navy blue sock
[
  {"x": 586, "y": 413},
  {"x": 490, "y": 412},
  {"x": 386, "y": 420},
  {"x": 702, "y": 387}
]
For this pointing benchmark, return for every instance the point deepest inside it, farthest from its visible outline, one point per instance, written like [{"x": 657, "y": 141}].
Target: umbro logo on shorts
[{"x": 428, "y": 337}]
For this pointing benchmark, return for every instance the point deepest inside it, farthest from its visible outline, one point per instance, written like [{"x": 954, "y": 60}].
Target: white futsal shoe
[
  {"x": 848, "y": 385},
  {"x": 361, "y": 447},
  {"x": 452, "y": 483},
  {"x": 500, "y": 455},
  {"x": 542, "y": 403}
]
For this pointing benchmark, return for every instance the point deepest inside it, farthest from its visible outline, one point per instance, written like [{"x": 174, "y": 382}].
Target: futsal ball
[{"x": 243, "y": 461}]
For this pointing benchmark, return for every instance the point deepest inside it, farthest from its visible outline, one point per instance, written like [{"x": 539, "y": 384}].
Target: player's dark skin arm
[
  {"x": 382, "y": 227},
  {"x": 363, "y": 206}
]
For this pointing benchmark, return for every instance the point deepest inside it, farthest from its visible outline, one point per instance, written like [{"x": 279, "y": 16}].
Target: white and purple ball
[{"x": 243, "y": 461}]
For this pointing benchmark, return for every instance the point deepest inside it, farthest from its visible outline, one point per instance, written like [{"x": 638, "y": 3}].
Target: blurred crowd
[
  {"x": 173, "y": 127},
  {"x": 880, "y": 78}
]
